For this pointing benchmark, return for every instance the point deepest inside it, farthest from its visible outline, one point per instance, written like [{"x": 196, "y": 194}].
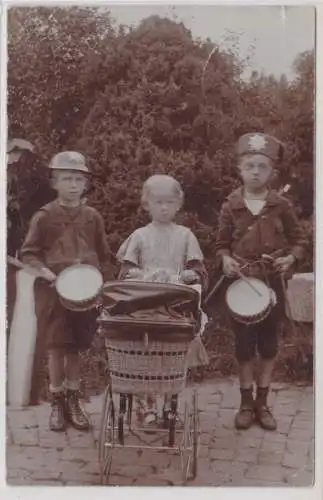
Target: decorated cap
[
  {"x": 257, "y": 143},
  {"x": 69, "y": 160}
]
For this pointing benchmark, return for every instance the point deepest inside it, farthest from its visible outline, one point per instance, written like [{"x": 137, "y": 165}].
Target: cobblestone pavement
[{"x": 227, "y": 457}]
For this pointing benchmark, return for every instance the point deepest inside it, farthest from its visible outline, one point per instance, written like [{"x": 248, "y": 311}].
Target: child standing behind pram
[{"x": 161, "y": 247}]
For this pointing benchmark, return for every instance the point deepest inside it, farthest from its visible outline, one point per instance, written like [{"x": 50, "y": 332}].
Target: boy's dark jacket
[
  {"x": 59, "y": 236},
  {"x": 275, "y": 231}
]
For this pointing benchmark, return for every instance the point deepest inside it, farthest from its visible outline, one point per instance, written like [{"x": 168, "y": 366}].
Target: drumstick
[
  {"x": 244, "y": 278},
  {"x": 214, "y": 289}
]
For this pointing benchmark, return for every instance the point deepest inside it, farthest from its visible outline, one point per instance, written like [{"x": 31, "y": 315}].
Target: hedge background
[{"x": 133, "y": 102}]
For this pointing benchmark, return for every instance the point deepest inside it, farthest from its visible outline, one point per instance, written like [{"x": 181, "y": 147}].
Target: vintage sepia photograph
[{"x": 160, "y": 319}]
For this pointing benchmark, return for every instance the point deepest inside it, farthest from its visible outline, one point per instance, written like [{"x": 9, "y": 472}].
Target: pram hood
[{"x": 139, "y": 303}]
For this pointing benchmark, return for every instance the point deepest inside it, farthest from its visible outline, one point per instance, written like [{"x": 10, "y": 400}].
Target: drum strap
[
  {"x": 251, "y": 228},
  {"x": 245, "y": 263}
]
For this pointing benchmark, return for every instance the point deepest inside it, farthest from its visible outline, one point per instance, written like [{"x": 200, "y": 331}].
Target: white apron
[{"x": 22, "y": 341}]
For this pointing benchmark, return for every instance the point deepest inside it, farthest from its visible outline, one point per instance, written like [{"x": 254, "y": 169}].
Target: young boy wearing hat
[
  {"x": 255, "y": 221},
  {"x": 62, "y": 233}
]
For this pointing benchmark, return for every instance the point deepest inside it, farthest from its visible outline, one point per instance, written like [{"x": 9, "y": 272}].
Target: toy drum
[
  {"x": 79, "y": 287},
  {"x": 250, "y": 300}
]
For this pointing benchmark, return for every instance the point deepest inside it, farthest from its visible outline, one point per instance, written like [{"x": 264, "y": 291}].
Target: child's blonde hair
[{"x": 157, "y": 180}]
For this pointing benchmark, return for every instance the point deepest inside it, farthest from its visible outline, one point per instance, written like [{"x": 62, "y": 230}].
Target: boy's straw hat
[
  {"x": 69, "y": 160},
  {"x": 258, "y": 143}
]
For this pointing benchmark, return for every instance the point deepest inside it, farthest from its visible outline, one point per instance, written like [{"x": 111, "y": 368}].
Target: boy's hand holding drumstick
[{"x": 231, "y": 267}]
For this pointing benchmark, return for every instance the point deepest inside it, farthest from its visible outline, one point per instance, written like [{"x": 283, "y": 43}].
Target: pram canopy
[{"x": 162, "y": 307}]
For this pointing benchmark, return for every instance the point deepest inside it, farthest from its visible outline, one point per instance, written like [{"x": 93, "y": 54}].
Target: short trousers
[
  {"x": 261, "y": 338},
  {"x": 60, "y": 328}
]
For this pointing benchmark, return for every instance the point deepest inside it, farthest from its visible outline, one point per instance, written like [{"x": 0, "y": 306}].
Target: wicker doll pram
[{"x": 148, "y": 329}]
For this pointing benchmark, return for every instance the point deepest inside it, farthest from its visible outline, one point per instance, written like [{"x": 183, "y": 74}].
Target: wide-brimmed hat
[{"x": 69, "y": 160}]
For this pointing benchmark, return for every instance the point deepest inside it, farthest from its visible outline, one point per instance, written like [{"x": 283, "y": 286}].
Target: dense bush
[{"x": 132, "y": 100}]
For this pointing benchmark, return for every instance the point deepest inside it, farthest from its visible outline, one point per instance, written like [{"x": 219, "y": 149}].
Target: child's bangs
[{"x": 165, "y": 184}]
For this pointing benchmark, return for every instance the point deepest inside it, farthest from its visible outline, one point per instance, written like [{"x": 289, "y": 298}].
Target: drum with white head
[
  {"x": 250, "y": 300},
  {"x": 79, "y": 287}
]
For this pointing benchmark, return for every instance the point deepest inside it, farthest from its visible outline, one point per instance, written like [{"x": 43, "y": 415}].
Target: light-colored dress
[
  {"x": 158, "y": 246},
  {"x": 162, "y": 247}
]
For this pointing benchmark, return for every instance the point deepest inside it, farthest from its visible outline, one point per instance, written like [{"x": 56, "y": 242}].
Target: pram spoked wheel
[
  {"x": 190, "y": 440},
  {"x": 182, "y": 435},
  {"x": 106, "y": 437}
]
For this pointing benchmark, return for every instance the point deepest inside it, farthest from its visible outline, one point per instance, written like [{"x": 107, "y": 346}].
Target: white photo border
[{"x": 159, "y": 492}]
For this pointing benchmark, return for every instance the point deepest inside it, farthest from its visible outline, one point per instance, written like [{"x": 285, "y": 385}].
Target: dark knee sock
[
  {"x": 262, "y": 393},
  {"x": 246, "y": 397}
]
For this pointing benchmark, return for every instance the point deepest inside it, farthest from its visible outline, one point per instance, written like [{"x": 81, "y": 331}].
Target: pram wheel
[
  {"x": 190, "y": 440},
  {"x": 106, "y": 437},
  {"x": 195, "y": 432}
]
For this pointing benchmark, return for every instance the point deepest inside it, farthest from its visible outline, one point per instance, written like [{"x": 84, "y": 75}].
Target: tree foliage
[{"x": 136, "y": 102}]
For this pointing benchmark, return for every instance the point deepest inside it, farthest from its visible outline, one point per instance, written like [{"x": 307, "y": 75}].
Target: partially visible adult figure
[
  {"x": 16, "y": 151},
  {"x": 27, "y": 191}
]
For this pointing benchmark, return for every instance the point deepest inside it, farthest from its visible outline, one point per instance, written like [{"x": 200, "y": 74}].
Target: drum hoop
[
  {"x": 71, "y": 306},
  {"x": 79, "y": 266},
  {"x": 231, "y": 286},
  {"x": 255, "y": 320}
]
